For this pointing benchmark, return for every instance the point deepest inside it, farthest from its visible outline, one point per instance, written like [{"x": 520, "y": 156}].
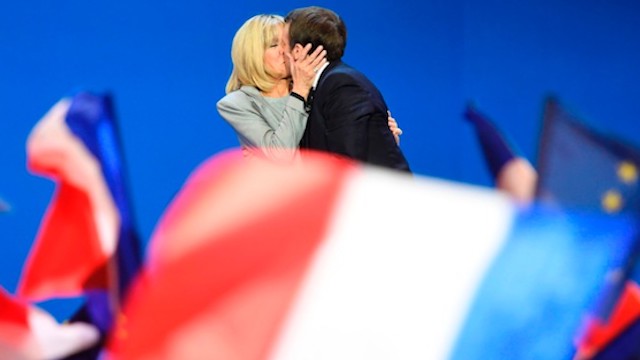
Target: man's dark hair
[{"x": 318, "y": 26}]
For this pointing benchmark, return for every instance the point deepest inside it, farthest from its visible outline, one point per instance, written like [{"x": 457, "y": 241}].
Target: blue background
[{"x": 167, "y": 63}]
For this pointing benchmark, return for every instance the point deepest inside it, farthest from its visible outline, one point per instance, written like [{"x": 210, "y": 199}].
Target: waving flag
[
  {"x": 614, "y": 337},
  {"x": 583, "y": 169},
  {"x": 511, "y": 172},
  {"x": 27, "y": 332},
  {"x": 496, "y": 149},
  {"x": 335, "y": 260},
  {"x": 87, "y": 242}
]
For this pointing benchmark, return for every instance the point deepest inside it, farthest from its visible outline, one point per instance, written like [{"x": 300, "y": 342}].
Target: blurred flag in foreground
[
  {"x": 27, "y": 332},
  {"x": 335, "y": 260},
  {"x": 582, "y": 169},
  {"x": 89, "y": 219}
]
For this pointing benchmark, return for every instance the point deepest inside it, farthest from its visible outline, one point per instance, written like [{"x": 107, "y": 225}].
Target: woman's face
[{"x": 274, "y": 57}]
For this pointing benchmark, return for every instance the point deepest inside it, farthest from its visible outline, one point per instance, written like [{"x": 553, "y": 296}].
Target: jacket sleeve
[{"x": 253, "y": 128}]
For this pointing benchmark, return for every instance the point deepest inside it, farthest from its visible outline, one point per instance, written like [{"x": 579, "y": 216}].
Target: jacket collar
[
  {"x": 250, "y": 90},
  {"x": 326, "y": 70}
]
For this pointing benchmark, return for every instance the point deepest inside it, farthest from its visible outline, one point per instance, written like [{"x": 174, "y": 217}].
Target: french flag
[
  {"x": 87, "y": 243},
  {"x": 28, "y": 332},
  {"x": 330, "y": 259}
]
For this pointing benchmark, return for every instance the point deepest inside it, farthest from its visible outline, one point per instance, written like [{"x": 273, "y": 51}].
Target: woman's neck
[{"x": 280, "y": 89}]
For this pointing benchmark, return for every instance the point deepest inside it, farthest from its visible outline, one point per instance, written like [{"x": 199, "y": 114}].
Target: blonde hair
[{"x": 247, "y": 52}]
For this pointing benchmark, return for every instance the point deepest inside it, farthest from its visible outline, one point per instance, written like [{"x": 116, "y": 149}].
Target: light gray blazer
[{"x": 273, "y": 126}]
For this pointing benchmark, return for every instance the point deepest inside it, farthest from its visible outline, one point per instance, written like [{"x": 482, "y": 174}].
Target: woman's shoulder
[{"x": 240, "y": 97}]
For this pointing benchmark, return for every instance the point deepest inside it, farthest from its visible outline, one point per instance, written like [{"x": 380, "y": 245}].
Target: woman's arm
[{"x": 393, "y": 126}]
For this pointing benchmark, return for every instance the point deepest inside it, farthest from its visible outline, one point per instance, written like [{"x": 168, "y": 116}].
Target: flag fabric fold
[
  {"x": 29, "y": 333},
  {"x": 92, "y": 119},
  {"x": 599, "y": 332},
  {"x": 496, "y": 149},
  {"x": 87, "y": 242},
  {"x": 77, "y": 235}
]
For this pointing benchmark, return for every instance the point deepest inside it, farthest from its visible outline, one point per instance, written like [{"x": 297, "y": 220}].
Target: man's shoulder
[
  {"x": 344, "y": 76},
  {"x": 342, "y": 69},
  {"x": 339, "y": 74}
]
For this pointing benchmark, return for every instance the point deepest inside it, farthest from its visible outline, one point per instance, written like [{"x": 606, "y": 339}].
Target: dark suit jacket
[{"x": 349, "y": 117}]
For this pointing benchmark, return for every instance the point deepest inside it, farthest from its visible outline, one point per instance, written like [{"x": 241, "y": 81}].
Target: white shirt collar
[{"x": 315, "y": 82}]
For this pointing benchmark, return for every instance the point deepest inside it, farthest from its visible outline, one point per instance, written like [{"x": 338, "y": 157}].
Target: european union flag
[
  {"x": 582, "y": 169},
  {"x": 588, "y": 171}
]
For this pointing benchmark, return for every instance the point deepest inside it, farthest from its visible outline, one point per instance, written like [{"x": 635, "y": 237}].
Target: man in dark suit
[{"x": 347, "y": 113}]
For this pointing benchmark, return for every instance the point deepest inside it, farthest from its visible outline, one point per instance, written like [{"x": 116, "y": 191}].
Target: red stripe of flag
[{"x": 232, "y": 283}]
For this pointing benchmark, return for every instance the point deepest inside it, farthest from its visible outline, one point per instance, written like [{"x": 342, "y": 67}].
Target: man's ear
[{"x": 296, "y": 51}]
